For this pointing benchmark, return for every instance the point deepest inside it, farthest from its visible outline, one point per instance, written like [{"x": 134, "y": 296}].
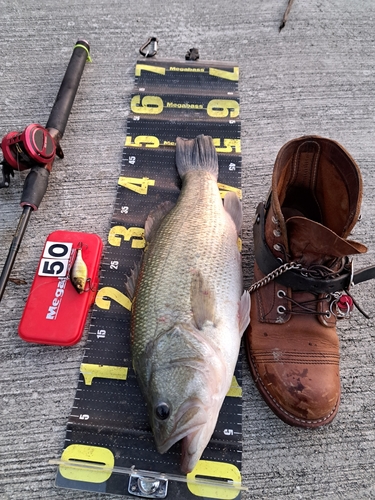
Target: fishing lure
[{"x": 78, "y": 274}]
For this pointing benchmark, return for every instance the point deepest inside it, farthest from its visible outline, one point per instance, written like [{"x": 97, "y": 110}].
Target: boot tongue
[{"x": 312, "y": 243}]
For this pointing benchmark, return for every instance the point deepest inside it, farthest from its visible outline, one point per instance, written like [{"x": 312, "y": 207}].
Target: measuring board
[{"x": 109, "y": 442}]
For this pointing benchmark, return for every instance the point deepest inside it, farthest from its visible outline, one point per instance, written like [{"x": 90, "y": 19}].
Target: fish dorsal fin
[
  {"x": 202, "y": 301},
  {"x": 234, "y": 208},
  {"x": 244, "y": 312},
  {"x": 131, "y": 280},
  {"x": 154, "y": 219}
]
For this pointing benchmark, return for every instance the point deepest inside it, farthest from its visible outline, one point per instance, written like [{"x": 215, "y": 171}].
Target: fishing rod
[{"x": 35, "y": 148}]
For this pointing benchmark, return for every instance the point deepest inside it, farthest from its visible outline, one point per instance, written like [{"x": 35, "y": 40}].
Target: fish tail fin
[{"x": 196, "y": 154}]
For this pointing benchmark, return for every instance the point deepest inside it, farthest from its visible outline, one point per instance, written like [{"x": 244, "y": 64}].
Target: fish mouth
[
  {"x": 192, "y": 448},
  {"x": 190, "y": 419}
]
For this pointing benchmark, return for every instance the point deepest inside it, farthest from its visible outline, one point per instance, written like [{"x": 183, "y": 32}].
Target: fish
[
  {"x": 78, "y": 273},
  {"x": 189, "y": 309}
]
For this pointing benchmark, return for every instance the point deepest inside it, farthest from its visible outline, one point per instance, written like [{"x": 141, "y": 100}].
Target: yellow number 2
[{"x": 105, "y": 294}]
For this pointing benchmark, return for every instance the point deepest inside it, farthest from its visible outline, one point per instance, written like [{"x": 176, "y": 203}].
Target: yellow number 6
[
  {"x": 150, "y": 105},
  {"x": 220, "y": 108}
]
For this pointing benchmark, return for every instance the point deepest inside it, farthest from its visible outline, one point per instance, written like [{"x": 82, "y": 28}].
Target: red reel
[{"x": 22, "y": 150}]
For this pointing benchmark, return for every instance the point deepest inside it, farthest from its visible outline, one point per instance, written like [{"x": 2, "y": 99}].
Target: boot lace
[{"x": 337, "y": 306}]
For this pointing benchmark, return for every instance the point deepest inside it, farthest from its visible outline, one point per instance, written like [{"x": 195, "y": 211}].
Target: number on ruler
[
  {"x": 150, "y": 104},
  {"x": 220, "y": 108},
  {"x": 96, "y": 455},
  {"x": 147, "y": 67},
  {"x": 138, "y": 185},
  {"x": 134, "y": 234},
  {"x": 229, "y": 145},
  {"x": 90, "y": 371},
  {"x": 226, "y": 75},
  {"x": 224, "y": 188},
  {"x": 208, "y": 469},
  {"x": 105, "y": 294},
  {"x": 100, "y": 334},
  {"x": 149, "y": 141}
]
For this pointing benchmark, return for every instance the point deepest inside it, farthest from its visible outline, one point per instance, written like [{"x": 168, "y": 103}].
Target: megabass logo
[{"x": 53, "y": 309}]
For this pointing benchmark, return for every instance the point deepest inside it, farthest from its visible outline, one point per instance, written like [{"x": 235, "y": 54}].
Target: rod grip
[
  {"x": 35, "y": 187},
  {"x": 60, "y": 112}
]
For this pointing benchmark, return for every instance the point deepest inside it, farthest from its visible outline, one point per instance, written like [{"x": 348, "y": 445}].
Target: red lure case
[{"x": 55, "y": 313}]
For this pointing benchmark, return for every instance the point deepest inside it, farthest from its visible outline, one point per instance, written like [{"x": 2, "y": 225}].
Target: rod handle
[{"x": 60, "y": 112}]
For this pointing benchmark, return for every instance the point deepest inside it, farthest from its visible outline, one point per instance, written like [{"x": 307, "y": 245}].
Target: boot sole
[{"x": 285, "y": 416}]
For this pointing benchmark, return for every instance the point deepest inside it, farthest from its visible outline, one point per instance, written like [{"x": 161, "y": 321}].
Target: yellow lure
[{"x": 78, "y": 274}]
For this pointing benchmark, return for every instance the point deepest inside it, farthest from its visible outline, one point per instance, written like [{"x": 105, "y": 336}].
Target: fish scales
[
  {"x": 194, "y": 236},
  {"x": 188, "y": 311}
]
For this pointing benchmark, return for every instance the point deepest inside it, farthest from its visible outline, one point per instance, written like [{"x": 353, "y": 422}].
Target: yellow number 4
[{"x": 140, "y": 186}]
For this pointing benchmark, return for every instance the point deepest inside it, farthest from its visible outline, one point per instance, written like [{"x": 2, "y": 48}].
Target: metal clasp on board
[
  {"x": 147, "y": 487},
  {"x": 150, "y": 48}
]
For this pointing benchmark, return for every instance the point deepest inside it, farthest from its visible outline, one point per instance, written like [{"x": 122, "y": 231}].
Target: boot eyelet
[
  {"x": 327, "y": 314},
  {"x": 281, "y": 294},
  {"x": 257, "y": 220},
  {"x": 277, "y": 247},
  {"x": 276, "y": 233},
  {"x": 275, "y": 220},
  {"x": 281, "y": 309}
]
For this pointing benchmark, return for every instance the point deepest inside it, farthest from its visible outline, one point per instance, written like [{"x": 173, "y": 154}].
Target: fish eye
[{"x": 162, "y": 411}]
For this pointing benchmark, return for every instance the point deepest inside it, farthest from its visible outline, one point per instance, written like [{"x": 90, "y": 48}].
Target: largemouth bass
[{"x": 189, "y": 309}]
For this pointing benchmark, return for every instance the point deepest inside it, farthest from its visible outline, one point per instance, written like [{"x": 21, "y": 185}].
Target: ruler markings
[{"x": 149, "y": 153}]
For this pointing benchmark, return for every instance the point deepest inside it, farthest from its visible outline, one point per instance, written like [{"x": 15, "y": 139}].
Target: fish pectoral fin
[
  {"x": 131, "y": 281},
  {"x": 154, "y": 219},
  {"x": 234, "y": 208},
  {"x": 244, "y": 312},
  {"x": 202, "y": 301}
]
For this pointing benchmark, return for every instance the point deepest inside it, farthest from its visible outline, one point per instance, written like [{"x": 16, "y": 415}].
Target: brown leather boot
[{"x": 301, "y": 272}]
